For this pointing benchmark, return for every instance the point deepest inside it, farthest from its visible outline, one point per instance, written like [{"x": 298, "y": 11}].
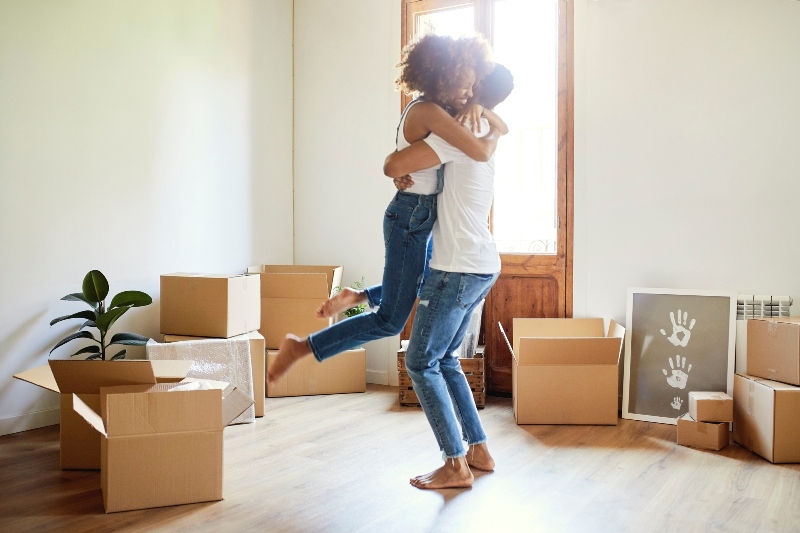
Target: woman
[{"x": 443, "y": 70}]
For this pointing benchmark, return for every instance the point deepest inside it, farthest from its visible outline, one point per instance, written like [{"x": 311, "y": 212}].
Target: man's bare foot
[
  {"x": 478, "y": 456},
  {"x": 455, "y": 474},
  {"x": 341, "y": 301},
  {"x": 292, "y": 348}
]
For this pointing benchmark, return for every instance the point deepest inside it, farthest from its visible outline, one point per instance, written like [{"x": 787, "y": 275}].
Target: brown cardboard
[
  {"x": 80, "y": 444},
  {"x": 210, "y": 305},
  {"x": 773, "y": 349},
  {"x": 290, "y": 297},
  {"x": 342, "y": 373},
  {"x": 703, "y": 435},
  {"x": 258, "y": 362},
  {"x": 710, "y": 407},
  {"x": 160, "y": 445},
  {"x": 564, "y": 371},
  {"x": 765, "y": 415}
]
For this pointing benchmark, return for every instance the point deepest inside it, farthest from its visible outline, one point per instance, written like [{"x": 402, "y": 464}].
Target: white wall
[
  {"x": 346, "y": 112},
  {"x": 133, "y": 136},
  {"x": 687, "y": 127}
]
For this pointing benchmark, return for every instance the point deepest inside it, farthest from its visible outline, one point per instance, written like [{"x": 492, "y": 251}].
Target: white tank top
[{"x": 425, "y": 181}]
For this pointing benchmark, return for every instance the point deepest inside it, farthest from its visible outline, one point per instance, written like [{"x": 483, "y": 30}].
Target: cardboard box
[
  {"x": 710, "y": 407},
  {"x": 160, "y": 445},
  {"x": 702, "y": 435},
  {"x": 345, "y": 372},
  {"x": 210, "y": 305},
  {"x": 258, "y": 362},
  {"x": 765, "y": 418},
  {"x": 773, "y": 349},
  {"x": 80, "y": 444},
  {"x": 290, "y": 297},
  {"x": 564, "y": 370}
]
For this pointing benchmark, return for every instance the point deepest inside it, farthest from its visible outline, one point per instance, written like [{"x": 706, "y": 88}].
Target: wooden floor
[{"x": 342, "y": 463}]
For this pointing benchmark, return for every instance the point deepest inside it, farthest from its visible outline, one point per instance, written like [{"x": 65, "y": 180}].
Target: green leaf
[
  {"x": 106, "y": 320},
  {"x": 95, "y": 286},
  {"x": 78, "y": 335},
  {"x": 88, "y": 324},
  {"x": 86, "y": 315},
  {"x": 128, "y": 339},
  {"x": 131, "y": 298},
  {"x": 77, "y": 297},
  {"x": 119, "y": 355},
  {"x": 89, "y": 349},
  {"x": 93, "y": 357}
]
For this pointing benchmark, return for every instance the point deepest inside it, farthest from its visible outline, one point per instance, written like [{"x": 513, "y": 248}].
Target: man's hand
[
  {"x": 472, "y": 112},
  {"x": 403, "y": 182}
]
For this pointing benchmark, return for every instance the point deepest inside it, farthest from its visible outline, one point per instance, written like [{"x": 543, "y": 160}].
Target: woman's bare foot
[
  {"x": 292, "y": 349},
  {"x": 455, "y": 474},
  {"x": 478, "y": 456},
  {"x": 341, "y": 301}
]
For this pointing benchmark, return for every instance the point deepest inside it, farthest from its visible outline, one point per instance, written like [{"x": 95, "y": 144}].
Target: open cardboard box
[
  {"x": 161, "y": 445},
  {"x": 258, "y": 363},
  {"x": 342, "y": 373},
  {"x": 210, "y": 305},
  {"x": 80, "y": 444},
  {"x": 564, "y": 370},
  {"x": 290, "y": 297}
]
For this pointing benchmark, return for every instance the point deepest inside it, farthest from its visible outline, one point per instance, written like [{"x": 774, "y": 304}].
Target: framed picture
[{"x": 678, "y": 341}]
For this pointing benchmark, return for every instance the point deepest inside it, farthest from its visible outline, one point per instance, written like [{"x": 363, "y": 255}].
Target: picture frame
[{"x": 678, "y": 341}]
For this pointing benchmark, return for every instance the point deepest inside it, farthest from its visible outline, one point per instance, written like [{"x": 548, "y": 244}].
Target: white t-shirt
[
  {"x": 425, "y": 181},
  {"x": 461, "y": 238}
]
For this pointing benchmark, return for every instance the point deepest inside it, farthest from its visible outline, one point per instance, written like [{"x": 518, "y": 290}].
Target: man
[{"x": 463, "y": 268}]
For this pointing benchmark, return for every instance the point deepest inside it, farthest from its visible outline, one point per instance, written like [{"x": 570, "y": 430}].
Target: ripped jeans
[
  {"x": 443, "y": 315},
  {"x": 407, "y": 226}
]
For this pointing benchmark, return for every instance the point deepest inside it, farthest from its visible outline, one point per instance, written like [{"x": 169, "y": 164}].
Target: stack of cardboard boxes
[
  {"x": 706, "y": 425},
  {"x": 766, "y": 400},
  {"x": 290, "y": 297},
  {"x": 202, "y": 306}
]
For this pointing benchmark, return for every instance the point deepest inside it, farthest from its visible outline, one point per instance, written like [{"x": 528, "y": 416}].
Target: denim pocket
[
  {"x": 389, "y": 220},
  {"x": 422, "y": 219},
  {"x": 472, "y": 288}
]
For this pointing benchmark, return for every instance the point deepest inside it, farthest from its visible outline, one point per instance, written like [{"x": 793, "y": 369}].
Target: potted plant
[{"x": 102, "y": 317}]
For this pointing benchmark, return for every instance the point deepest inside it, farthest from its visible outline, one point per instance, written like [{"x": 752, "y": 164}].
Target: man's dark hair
[{"x": 495, "y": 87}]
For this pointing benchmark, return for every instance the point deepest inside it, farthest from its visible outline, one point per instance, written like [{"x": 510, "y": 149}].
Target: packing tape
[
  {"x": 772, "y": 328},
  {"x": 751, "y": 398}
]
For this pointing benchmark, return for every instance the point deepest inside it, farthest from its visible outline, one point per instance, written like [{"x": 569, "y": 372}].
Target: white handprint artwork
[
  {"x": 676, "y": 403},
  {"x": 680, "y": 335},
  {"x": 679, "y": 377}
]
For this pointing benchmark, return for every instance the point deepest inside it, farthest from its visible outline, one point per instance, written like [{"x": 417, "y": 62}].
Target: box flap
[
  {"x": 146, "y": 410},
  {"x": 200, "y": 275},
  {"x": 615, "y": 330},
  {"x": 289, "y": 280},
  {"x": 94, "y": 419},
  {"x": 86, "y": 377},
  {"x": 783, "y": 319},
  {"x": 556, "y": 327},
  {"x": 41, "y": 376},
  {"x": 234, "y": 403},
  {"x": 568, "y": 351},
  {"x": 503, "y": 332},
  {"x": 170, "y": 371}
]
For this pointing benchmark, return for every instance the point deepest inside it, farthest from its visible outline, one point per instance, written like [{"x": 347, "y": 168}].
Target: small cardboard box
[
  {"x": 564, "y": 370},
  {"x": 710, "y": 407},
  {"x": 258, "y": 362},
  {"x": 210, "y": 305},
  {"x": 702, "y": 435},
  {"x": 765, "y": 418},
  {"x": 290, "y": 297},
  {"x": 161, "y": 445},
  {"x": 80, "y": 444},
  {"x": 773, "y": 349},
  {"x": 345, "y": 372}
]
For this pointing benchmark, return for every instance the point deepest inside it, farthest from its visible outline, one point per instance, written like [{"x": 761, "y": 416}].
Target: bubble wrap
[{"x": 225, "y": 360}]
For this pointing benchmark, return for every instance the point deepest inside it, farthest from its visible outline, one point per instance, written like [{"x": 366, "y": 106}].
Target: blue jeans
[
  {"x": 407, "y": 226},
  {"x": 442, "y": 319}
]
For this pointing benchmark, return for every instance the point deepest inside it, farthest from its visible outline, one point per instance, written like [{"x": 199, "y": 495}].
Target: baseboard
[
  {"x": 39, "y": 419},
  {"x": 377, "y": 377}
]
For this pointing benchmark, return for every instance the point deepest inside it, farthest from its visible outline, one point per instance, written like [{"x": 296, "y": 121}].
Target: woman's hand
[
  {"x": 403, "y": 182},
  {"x": 471, "y": 112}
]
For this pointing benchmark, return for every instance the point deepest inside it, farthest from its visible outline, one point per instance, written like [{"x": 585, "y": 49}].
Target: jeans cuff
[
  {"x": 313, "y": 350},
  {"x": 476, "y": 443},
  {"x": 445, "y": 457},
  {"x": 370, "y": 299}
]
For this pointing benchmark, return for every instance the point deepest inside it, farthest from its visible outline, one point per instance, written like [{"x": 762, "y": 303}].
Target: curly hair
[{"x": 436, "y": 66}]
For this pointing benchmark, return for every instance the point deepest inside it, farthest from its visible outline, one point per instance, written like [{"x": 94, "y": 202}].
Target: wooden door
[{"x": 531, "y": 285}]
